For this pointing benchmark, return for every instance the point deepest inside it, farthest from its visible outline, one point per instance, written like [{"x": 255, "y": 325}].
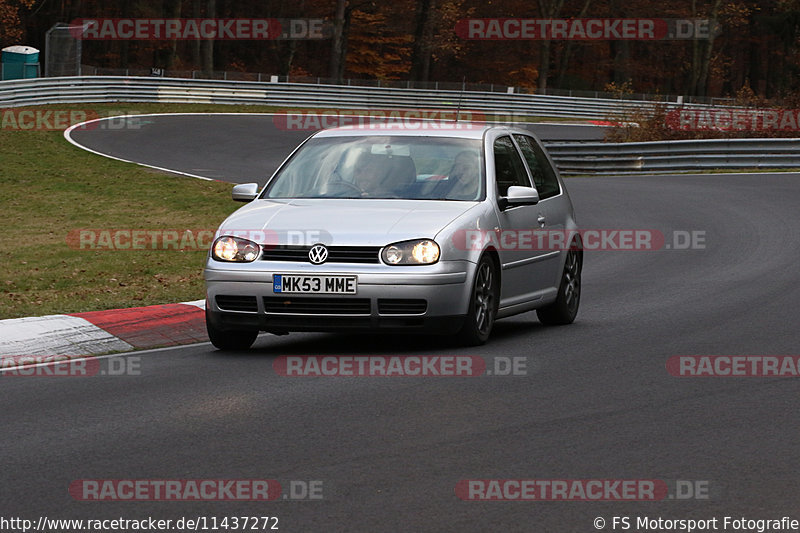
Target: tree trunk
[
  {"x": 423, "y": 35},
  {"x": 547, "y": 9},
  {"x": 196, "y": 44},
  {"x": 124, "y": 45},
  {"x": 621, "y": 56},
  {"x": 208, "y": 49},
  {"x": 286, "y": 57},
  {"x": 701, "y": 55},
  {"x": 172, "y": 53},
  {"x": 562, "y": 71},
  {"x": 338, "y": 42},
  {"x": 544, "y": 64}
]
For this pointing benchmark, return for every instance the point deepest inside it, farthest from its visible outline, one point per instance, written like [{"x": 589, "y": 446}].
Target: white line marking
[{"x": 68, "y": 135}]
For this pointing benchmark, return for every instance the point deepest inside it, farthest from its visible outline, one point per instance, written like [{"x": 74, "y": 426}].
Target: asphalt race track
[
  {"x": 238, "y": 148},
  {"x": 597, "y": 401}
]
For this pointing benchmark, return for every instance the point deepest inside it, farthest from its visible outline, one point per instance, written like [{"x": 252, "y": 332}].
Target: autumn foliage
[{"x": 415, "y": 40}]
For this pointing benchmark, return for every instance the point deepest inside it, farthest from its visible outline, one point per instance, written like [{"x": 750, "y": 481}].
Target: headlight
[
  {"x": 422, "y": 252},
  {"x": 235, "y": 249}
]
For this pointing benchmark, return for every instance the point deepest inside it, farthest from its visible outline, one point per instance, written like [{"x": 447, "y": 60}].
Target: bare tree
[
  {"x": 174, "y": 13},
  {"x": 701, "y": 54},
  {"x": 208, "y": 48},
  {"x": 549, "y": 9},
  {"x": 423, "y": 35},
  {"x": 562, "y": 71},
  {"x": 341, "y": 23}
]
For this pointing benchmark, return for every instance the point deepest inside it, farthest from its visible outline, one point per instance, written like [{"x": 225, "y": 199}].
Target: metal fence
[
  {"x": 95, "y": 89},
  {"x": 89, "y": 70},
  {"x": 675, "y": 156}
]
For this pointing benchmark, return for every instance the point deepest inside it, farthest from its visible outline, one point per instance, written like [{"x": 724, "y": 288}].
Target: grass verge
[{"x": 49, "y": 187}]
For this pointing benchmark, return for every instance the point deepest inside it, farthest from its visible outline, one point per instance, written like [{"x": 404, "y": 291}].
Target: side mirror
[
  {"x": 519, "y": 196},
  {"x": 245, "y": 192}
]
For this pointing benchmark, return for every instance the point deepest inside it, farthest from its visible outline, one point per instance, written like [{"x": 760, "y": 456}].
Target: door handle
[{"x": 541, "y": 220}]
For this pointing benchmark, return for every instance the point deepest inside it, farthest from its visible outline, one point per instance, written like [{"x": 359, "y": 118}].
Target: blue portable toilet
[{"x": 20, "y": 62}]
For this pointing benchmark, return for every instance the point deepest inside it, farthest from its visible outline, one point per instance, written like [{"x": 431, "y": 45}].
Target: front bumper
[{"x": 444, "y": 288}]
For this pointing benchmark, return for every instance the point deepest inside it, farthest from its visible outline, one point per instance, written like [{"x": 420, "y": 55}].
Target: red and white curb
[{"x": 100, "y": 332}]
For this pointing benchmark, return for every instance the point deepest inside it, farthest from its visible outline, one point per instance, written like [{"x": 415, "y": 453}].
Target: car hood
[{"x": 342, "y": 221}]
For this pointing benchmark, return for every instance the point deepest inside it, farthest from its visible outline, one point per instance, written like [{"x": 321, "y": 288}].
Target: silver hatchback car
[{"x": 362, "y": 228}]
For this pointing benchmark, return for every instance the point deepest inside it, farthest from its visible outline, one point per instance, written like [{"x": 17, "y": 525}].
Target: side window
[
  {"x": 543, "y": 175},
  {"x": 508, "y": 167}
]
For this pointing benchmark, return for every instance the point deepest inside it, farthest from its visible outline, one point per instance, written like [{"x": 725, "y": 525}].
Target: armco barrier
[
  {"x": 675, "y": 156},
  {"x": 94, "y": 89}
]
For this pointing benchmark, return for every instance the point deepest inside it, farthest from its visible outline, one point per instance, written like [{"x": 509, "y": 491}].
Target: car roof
[{"x": 416, "y": 128}]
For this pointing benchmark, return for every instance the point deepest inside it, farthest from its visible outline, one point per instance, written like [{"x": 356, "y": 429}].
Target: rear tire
[
  {"x": 229, "y": 339},
  {"x": 483, "y": 304},
  {"x": 565, "y": 308}
]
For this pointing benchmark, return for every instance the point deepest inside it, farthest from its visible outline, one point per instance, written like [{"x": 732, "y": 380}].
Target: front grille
[
  {"x": 317, "y": 306},
  {"x": 402, "y": 307},
  {"x": 238, "y": 303},
  {"x": 336, "y": 254}
]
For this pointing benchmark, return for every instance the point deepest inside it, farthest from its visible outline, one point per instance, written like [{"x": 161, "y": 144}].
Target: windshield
[{"x": 418, "y": 168}]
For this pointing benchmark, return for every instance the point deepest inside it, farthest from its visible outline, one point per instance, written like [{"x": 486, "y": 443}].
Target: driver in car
[
  {"x": 464, "y": 179},
  {"x": 369, "y": 176}
]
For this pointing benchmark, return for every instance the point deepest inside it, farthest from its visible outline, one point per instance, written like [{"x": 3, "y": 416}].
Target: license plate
[{"x": 284, "y": 283}]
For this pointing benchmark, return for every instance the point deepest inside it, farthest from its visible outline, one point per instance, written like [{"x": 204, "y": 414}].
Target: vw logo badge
[{"x": 318, "y": 254}]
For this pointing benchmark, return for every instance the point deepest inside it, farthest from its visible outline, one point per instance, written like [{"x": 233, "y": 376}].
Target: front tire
[
  {"x": 565, "y": 308},
  {"x": 483, "y": 304},
  {"x": 229, "y": 339}
]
